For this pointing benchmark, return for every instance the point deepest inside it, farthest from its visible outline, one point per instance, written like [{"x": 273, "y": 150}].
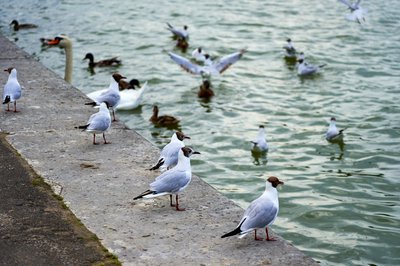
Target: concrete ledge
[{"x": 99, "y": 182}]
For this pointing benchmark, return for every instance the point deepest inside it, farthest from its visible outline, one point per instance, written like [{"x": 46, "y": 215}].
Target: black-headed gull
[
  {"x": 198, "y": 54},
  {"x": 179, "y": 33},
  {"x": 172, "y": 181},
  {"x": 98, "y": 123},
  {"x": 114, "y": 61},
  {"x": 12, "y": 90},
  {"x": 290, "y": 51},
  {"x": 163, "y": 120},
  {"x": 260, "y": 143},
  {"x": 333, "y": 134},
  {"x": 213, "y": 68},
  {"x": 17, "y": 26},
  {"x": 261, "y": 213},
  {"x": 169, "y": 154},
  {"x": 357, "y": 12},
  {"x": 111, "y": 96},
  {"x": 304, "y": 69}
]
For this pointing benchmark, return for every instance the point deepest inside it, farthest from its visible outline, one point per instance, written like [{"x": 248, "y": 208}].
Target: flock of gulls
[{"x": 174, "y": 158}]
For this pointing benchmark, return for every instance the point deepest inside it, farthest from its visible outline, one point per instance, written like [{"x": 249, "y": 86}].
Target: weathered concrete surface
[{"x": 99, "y": 182}]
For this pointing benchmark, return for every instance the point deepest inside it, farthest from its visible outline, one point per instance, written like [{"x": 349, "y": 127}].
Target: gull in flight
[
  {"x": 12, "y": 90},
  {"x": 98, "y": 123},
  {"x": 212, "y": 68},
  {"x": 357, "y": 12},
  {"x": 261, "y": 213},
  {"x": 169, "y": 154},
  {"x": 333, "y": 134},
  {"x": 172, "y": 181}
]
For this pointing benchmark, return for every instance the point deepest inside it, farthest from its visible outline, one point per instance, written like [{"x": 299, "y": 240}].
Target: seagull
[
  {"x": 333, "y": 134},
  {"x": 12, "y": 89},
  {"x": 214, "y": 68},
  {"x": 98, "y": 123},
  {"x": 290, "y": 51},
  {"x": 102, "y": 63},
  {"x": 261, "y": 213},
  {"x": 304, "y": 69},
  {"x": 260, "y": 144},
  {"x": 17, "y": 26},
  {"x": 172, "y": 181},
  {"x": 169, "y": 154},
  {"x": 110, "y": 96},
  {"x": 198, "y": 54},
  {"x": 182, "y": 34},
  {"x": 357, "y": 12}
]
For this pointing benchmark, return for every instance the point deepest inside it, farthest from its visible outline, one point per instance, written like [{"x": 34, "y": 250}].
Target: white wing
[
  {"x": 225, "y": 62},
  {"x": 186, "y": 64},
  {"x": 131, "y": 98}
]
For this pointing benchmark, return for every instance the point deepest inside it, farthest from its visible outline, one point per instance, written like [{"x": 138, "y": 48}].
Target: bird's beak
[
  {"x": 196, "y": 152},
  {"x": 53, "y": 42},
  {"x": 184, "y": 136}
]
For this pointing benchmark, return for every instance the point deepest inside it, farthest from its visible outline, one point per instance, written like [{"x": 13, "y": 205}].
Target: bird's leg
[
  {"x": 114, "y": 115},
  {"x": 15, "y": 106},
  {"x": 105, "y": 141},
  {"x": 8, "y": 107},
  {"x": 268, "y": 239},
  {"x": 94, "y": 139},
  {"x": 255, "y": 236},
  {"x": 177, "y": 204},
  {"x": 170, "y": 201}
]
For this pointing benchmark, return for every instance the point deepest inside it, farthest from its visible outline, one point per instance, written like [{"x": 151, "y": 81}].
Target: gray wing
[
  {"x": 12, "y": 89},
  {"x": 185, "y": 64},
  {"x": 109, "y": 96},
  {"x": 225, "y": 62},
  {"x": 176, "y": 32},
  {"x": 170, "y": 153},
  {"x": 170, "y": 181},
  {"x": 99, "y": 122},
  {"x": 347, "y": 3},
  {"x": 258, "y": 215}
]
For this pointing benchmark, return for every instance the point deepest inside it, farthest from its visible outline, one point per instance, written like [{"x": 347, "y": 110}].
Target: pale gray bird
[
  {"x": 333, "y": 134},
  {"x": 172, "y": 181},
  {"x": 12, "y": 90},
  {"x": 261, "y": 213}
]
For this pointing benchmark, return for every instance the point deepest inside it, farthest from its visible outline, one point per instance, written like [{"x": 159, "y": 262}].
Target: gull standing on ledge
[
  {"x": 172, "y": 181},
  {"x": 98, "y": 123},
  {"x": 110, "y": 96},
  {"x": 169, "y": 154},
  {"x": 333, "y": 134},
  {"x": 261, "y": 213},
  {"x": 12, "y": 90}
]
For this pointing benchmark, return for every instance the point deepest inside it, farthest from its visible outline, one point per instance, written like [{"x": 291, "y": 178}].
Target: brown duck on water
[
  {"x": 102, "y": 63},
  {"x": 163, "y": 120},
  {"x": 17, "y": 26}
]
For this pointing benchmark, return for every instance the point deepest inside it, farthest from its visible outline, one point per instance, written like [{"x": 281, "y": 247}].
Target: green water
[{"x": 340, "y": 206}]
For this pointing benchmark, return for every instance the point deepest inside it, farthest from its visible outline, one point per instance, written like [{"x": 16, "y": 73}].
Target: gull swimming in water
[
  {"x": 169, "y": 154},
  {"x": 111, "y": 96},
  {"x": 333, "y": 134},
  {"x": 198, "y": 54},
  {"x": 12, "y": 90},
  {"x": 357, "y": 12},
  {"x": 290, "y": 51},
  {"x": 98, "y": 123},
  {"x": 179, "y": 33},
  {"x": 260, "y": 144},
  {"x": 304, "y": 69},
  {"x": 212, "y": 68},
  {"x": 261, "y": 213},
  {"x": 172, "y": 181}
]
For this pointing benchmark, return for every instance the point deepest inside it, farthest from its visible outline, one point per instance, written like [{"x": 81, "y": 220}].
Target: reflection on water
[{"x": 340, "y": 200}]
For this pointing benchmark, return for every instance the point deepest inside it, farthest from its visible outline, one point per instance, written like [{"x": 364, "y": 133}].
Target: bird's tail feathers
[
  {"x": 147, "y": 192},
  {"x": 234, "y": 232},
  {"x": 91, "y": 103},
  {"x": 7, "y": 99},
  {"x": 159, "y": 163},
  {"x": 321, "y": 66},
  {"x": 82, "y": 127},
  {"x": 153, "y": 194}
]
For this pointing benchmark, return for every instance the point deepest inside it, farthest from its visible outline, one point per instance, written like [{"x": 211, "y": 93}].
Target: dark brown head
[
  {"x": 181, "y": 136},
  {"x": 187, "y": 151},
  {"x": 274, "y": 181},
  {"x": 333, "y": 119},
  {"x": 8, "y": 70},
  {"x": 261, "y": 126},
  {"x": 89, "y": 56},
  {"x": 117, "y": 77}
]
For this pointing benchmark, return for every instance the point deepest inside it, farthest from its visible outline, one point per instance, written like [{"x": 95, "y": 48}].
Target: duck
[
  {"x": 130, "y": 97},
  {"x": 102, "y": 63},
  {"x": 205, "y": 91},
  {"x": 17, "y": 26},
  {"x": 12, "y": 90},
  {"x": 164, "y": 120},
  {"x": 65, "y": 43}
]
